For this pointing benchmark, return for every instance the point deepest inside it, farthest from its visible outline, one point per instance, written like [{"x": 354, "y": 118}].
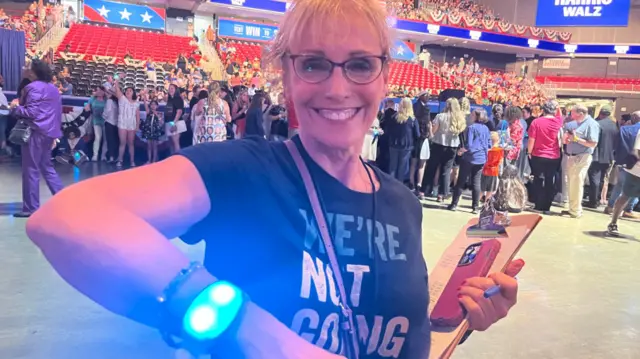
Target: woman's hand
[{"x": 484, "y": 312}]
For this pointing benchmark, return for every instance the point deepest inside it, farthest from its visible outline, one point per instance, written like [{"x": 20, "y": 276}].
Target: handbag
[
  {"x": 347, "y": 327},
  {"x": 20, "y": 133}
]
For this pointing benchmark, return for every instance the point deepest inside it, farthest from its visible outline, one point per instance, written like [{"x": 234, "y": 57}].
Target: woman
[
  {"x": 41, "y": 109},
  {"x": 513, "y": 114},
  {"x": 277, "y": 260},
  {"x": 402, "y": 132},
  {"x": 544, "y": 156},
  {"x": 255, "y": 117},
  {"x": 239, "y": 112},
  {"x": 446, "y": 129},
  {"x": 173, "y": 110},
  {"x": 474, "y": 156},
  {"x": 128, "y": 122},
  {"x": 98, "y": 102},
  {"x": 211, "y": 116}
]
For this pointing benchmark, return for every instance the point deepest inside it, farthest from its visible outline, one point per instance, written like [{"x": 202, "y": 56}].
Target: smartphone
[
  {"x": 116, "y": 77},
  {"x": 476, "y": 261}
]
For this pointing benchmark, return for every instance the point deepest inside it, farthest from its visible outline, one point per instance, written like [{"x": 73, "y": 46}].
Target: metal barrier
[{"x": 584, "y": 86}]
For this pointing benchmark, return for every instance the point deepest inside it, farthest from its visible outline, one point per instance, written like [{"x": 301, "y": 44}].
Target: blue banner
[
  {"x": 246, "y": 30},
  {"x": 583, "y": 12},
  {"x": 116, "y": 13},
  {"x": 269, "y": 5}
]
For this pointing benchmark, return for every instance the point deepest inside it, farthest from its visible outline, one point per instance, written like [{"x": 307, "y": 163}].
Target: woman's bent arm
[{"x": 107, "y": 236}]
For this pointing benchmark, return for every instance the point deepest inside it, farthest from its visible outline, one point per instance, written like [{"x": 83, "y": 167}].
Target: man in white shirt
[
  {"x": 630, "y": 189},
  {"x": 424, "y": 57}
]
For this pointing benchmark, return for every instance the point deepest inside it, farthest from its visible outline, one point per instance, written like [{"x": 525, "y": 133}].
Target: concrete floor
[{"x": 579, "y": 298}]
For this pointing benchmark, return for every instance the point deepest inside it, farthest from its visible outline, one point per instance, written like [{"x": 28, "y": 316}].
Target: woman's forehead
[{"x": 337, "y": 38}]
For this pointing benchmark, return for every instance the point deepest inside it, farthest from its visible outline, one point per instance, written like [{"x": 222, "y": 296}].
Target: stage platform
[{"x": 579, "y": 299}]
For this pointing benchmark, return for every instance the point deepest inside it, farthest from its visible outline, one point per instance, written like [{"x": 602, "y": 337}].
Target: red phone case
[{"x": 448, "y": 312}]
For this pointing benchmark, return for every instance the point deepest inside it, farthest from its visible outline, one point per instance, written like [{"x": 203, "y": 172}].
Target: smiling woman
[{"x": 247, "y": 199}]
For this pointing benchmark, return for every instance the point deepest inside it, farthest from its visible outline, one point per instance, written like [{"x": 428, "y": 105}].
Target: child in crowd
[
  {"x": 491, "y": 169},
  {"x": 152, "y": 129},
  {"x": 72, "y": 148}
]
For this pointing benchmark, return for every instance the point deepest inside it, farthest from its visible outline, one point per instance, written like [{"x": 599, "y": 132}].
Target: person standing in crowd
[
  {"x": 581, "y": 137},
  {"x": 423, "y": 118},
  {"x": 626, "y": 141},
  {"x": 383, "y": 158},
  {"x": 544, "y": 155},
  {"x": 128, "y": 122},
  {"x": 97, "y": 102},
  {"x": 255, "y": 117},
  {"x": 603, "y": 155},
  {"x": 402, "y": 131},
  {"x": 513, "y": 115},
  {"x": 491, "y": 169},
  {"x": 208, "y": 186},
  {"x": 173, "y": 110},
  {"x": 474, "y": 156},
  {"x": 211, "y": 117},
  {"x": 152, "y": 128},
  {"x": 278, "y": 115},
  {"x": 446, "y": 128},
  {"x": 528, "y": 116},
  {"x": 110, "y": 115},
  {"x": 239, "y": 113},
  {"x": 41, "y": 109},
  {"x": 630, "y": 187}
]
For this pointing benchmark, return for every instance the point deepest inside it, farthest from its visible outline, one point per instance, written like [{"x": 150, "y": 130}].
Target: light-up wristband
[{"x": 213, "y": 312}]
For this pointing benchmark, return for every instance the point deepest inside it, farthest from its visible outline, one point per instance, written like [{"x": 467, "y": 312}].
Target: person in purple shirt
[
  {"x": 41, "y": 109},
  {"x": 474, "y": 155}
]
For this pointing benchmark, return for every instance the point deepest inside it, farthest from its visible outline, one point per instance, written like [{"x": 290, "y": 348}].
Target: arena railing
[
  {"x": 52, "y": 37},
  {"x": 583, "y": 86}
]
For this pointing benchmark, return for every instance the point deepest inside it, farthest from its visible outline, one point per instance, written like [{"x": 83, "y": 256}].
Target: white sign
[{"x": 556, "y": 64}]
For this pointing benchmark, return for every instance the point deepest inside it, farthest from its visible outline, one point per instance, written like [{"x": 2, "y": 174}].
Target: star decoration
[
  {"x": 124, "y": 14},
  {"x": 104, "y": 12},
  {"x": 146, "y": 17},
  {"x": 399, "y": 50}
]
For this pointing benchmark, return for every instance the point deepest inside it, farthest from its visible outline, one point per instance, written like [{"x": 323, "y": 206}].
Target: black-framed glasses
[{"x": 361, "y": 70}]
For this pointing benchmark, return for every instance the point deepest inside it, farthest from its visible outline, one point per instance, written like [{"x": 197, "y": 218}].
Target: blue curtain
[{"x": 12, "y": 54}]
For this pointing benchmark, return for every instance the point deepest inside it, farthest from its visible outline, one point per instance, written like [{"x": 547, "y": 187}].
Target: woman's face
[
  {"x": 128, "y": 93},
  {"x": 172, "y": 91},
  {"x": 154, "y": 106},
  {"x": 99, "y": 92},
  {"x": 336, "y": 112}
]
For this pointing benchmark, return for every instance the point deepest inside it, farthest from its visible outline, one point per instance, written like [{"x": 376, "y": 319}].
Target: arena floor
[{"x": 580, "y": 293}]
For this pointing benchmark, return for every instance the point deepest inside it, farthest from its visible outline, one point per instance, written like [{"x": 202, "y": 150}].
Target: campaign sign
[
  {"x": 246, "y": 30},
  {"x": 116, "y": 13},
  {"x": 583, "y": 12}
]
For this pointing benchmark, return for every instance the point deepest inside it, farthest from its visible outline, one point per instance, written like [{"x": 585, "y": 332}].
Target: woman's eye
[
  {"x": 310, "y": 65},
  {"x": 359, "y": 65}
]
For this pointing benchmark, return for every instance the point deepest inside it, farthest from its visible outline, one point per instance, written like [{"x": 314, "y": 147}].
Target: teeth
[{"x": 337, "y": 115}]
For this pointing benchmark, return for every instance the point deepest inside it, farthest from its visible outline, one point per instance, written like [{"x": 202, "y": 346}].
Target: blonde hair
[
  {"x": 313, "y": 15},
  {"x": 405, "y": 110},
  {"x": 465, "y": 105},
  {"x": 458, "y": 121},
  {"x": 495, "y": 138}
]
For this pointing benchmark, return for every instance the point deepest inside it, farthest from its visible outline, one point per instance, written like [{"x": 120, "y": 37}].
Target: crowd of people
[
  {"x": 486, "y": 87},
  {"x": 552, "y": 151},
  {"x": 35, "y": 22}
]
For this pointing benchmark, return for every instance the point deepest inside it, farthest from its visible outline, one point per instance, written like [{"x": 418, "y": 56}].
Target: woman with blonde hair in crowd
[
  {"x": 446, "y": 129},
  {"x": 210, "y": 116},
  {"x": 262, "y": 279},
  {"x": 402, "y": 132}
]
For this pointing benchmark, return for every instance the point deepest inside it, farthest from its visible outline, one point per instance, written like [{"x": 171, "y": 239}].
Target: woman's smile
[{"x": 340, "y": 115}]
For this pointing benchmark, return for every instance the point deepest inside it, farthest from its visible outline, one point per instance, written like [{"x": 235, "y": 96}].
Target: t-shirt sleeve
[
  {"x": 636, "y": 146},
  {"x": 594, "y": 132},
  {"x": 533, "y": 130},
  {"x": 227, "y": 169}
]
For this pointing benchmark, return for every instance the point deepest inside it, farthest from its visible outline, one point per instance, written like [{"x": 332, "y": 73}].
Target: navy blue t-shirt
[{"x": 261, "y": 235}]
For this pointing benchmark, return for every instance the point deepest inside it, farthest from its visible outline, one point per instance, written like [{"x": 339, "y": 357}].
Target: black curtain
[{"x": 12, "y": 55}]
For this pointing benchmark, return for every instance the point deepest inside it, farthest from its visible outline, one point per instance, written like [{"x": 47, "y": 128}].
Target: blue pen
[{"x": 493, "y": 290}]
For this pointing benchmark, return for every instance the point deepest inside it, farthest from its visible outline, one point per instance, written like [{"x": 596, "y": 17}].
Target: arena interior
[{"x": 516, "y": 61}]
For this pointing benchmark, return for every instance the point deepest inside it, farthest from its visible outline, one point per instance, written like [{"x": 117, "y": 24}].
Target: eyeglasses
[{"x": 359, "y": 70}]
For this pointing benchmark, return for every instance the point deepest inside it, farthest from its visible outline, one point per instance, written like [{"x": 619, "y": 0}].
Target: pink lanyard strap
[{"x": 347, "y": 313}]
